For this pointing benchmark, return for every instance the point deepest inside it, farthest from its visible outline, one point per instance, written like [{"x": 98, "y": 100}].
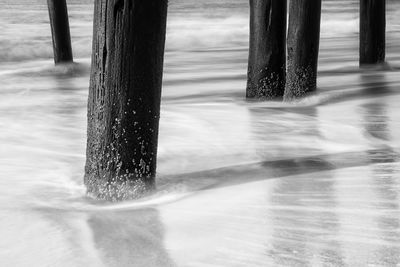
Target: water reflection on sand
[
  {"x": 293, "y": 185},
  {"x": 332, "y": 208},
  {"x": 311, "y": 183}
]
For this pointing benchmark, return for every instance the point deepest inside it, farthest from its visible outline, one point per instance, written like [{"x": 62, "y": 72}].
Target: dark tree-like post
[
  {"x": 267, "y": 51},
  {"x": 60, "y": 31},
  {"x": 124, "y": 97},
  {"x": 372, "y": 31},
  {"x": 303, "y": 47}
]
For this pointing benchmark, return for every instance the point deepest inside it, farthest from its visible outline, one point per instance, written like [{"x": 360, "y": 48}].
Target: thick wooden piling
[
  {"x": 60, "y": 31},
  {"x": 302, "y": 47},
  {"x": 372, "y": 31},
  {"x": 267, "y": 50},
  {"x": 124, "y": 97}
]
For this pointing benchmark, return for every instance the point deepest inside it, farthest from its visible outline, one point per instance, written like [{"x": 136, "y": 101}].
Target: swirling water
[{"x": 311, "y": 183}]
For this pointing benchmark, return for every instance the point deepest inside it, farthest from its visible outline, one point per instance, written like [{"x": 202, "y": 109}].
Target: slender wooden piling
[
  {"x": 267, "y": 51},
  {"x": 372, "y": 31},
  {"x": 60, "y": 31},
  {"x": 124, "y": 97},
  {"x": 303, "y": 47}
]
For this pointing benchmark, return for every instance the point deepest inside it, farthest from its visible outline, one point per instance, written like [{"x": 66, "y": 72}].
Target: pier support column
[
  {"x": 267, "y": 51},
  {"x": 124, "y": 97},
  {"x": 302, "y": 47},
  {"x": 372, "y": 31},
  {"x": 60, "y": 31}
]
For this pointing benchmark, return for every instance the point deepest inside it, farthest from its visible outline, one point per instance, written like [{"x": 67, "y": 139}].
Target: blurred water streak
[{"x": 311, "y": 183}]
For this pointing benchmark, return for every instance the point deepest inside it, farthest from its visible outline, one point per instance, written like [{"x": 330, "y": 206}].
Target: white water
[{"x": 311, "y": 183}]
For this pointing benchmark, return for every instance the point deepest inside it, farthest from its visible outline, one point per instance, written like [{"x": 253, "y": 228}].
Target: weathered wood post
[
  {"x": 372, "y": 31},
  {"x": 267, "y": 51},
  {"x": 124, "y": 97},
  {"x": 303, "y": 47},
  {"x": 60, "y": 31}
]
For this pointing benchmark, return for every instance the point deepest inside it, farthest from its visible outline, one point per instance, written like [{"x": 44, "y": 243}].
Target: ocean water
[{"x": 310, "y": 183}]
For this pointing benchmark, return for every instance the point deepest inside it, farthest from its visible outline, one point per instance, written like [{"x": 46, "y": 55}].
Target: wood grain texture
[
  {"x": 302, "y": 47},
  {"x": 267, "y": 49},
  {"x": 124, "y": 97},
  {"x": 372, "y": 31},
  {"x": 61, "y": 36}
]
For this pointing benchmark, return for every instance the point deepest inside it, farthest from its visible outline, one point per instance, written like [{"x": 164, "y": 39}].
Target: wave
[
  {"x": 26, "y": 35},
  {"x": 183, "y": 34},
  {"x": 201, "y": 31},
  {"x": 174, "y": 188},
  {"x": 198, "y": 32},
  {"x": 15, "y": 50},
  {"x": 46, "y": 68}
]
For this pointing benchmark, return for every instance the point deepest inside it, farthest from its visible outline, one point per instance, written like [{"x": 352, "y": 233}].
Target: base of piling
[
  {"x": 118, "y": 190},
  {"x": 300, "y": 83},
  {"x": 268, "y": 85}
]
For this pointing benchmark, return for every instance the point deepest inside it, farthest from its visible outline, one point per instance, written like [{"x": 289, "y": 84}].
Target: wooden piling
[
  {"x": 302, "y": 47},
  {"x": 60, "y": 31},
  {"x": 372, "y": 31},
  {"x": 267, "y": 50},
  {"x": 124, "y": 97}
]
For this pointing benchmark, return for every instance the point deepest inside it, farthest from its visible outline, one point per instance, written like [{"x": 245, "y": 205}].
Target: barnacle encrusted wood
[
  {"x": 124, "y": 97},
  {"x": 267, "y": 50},
  {"x": 302, "y": 47}
]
